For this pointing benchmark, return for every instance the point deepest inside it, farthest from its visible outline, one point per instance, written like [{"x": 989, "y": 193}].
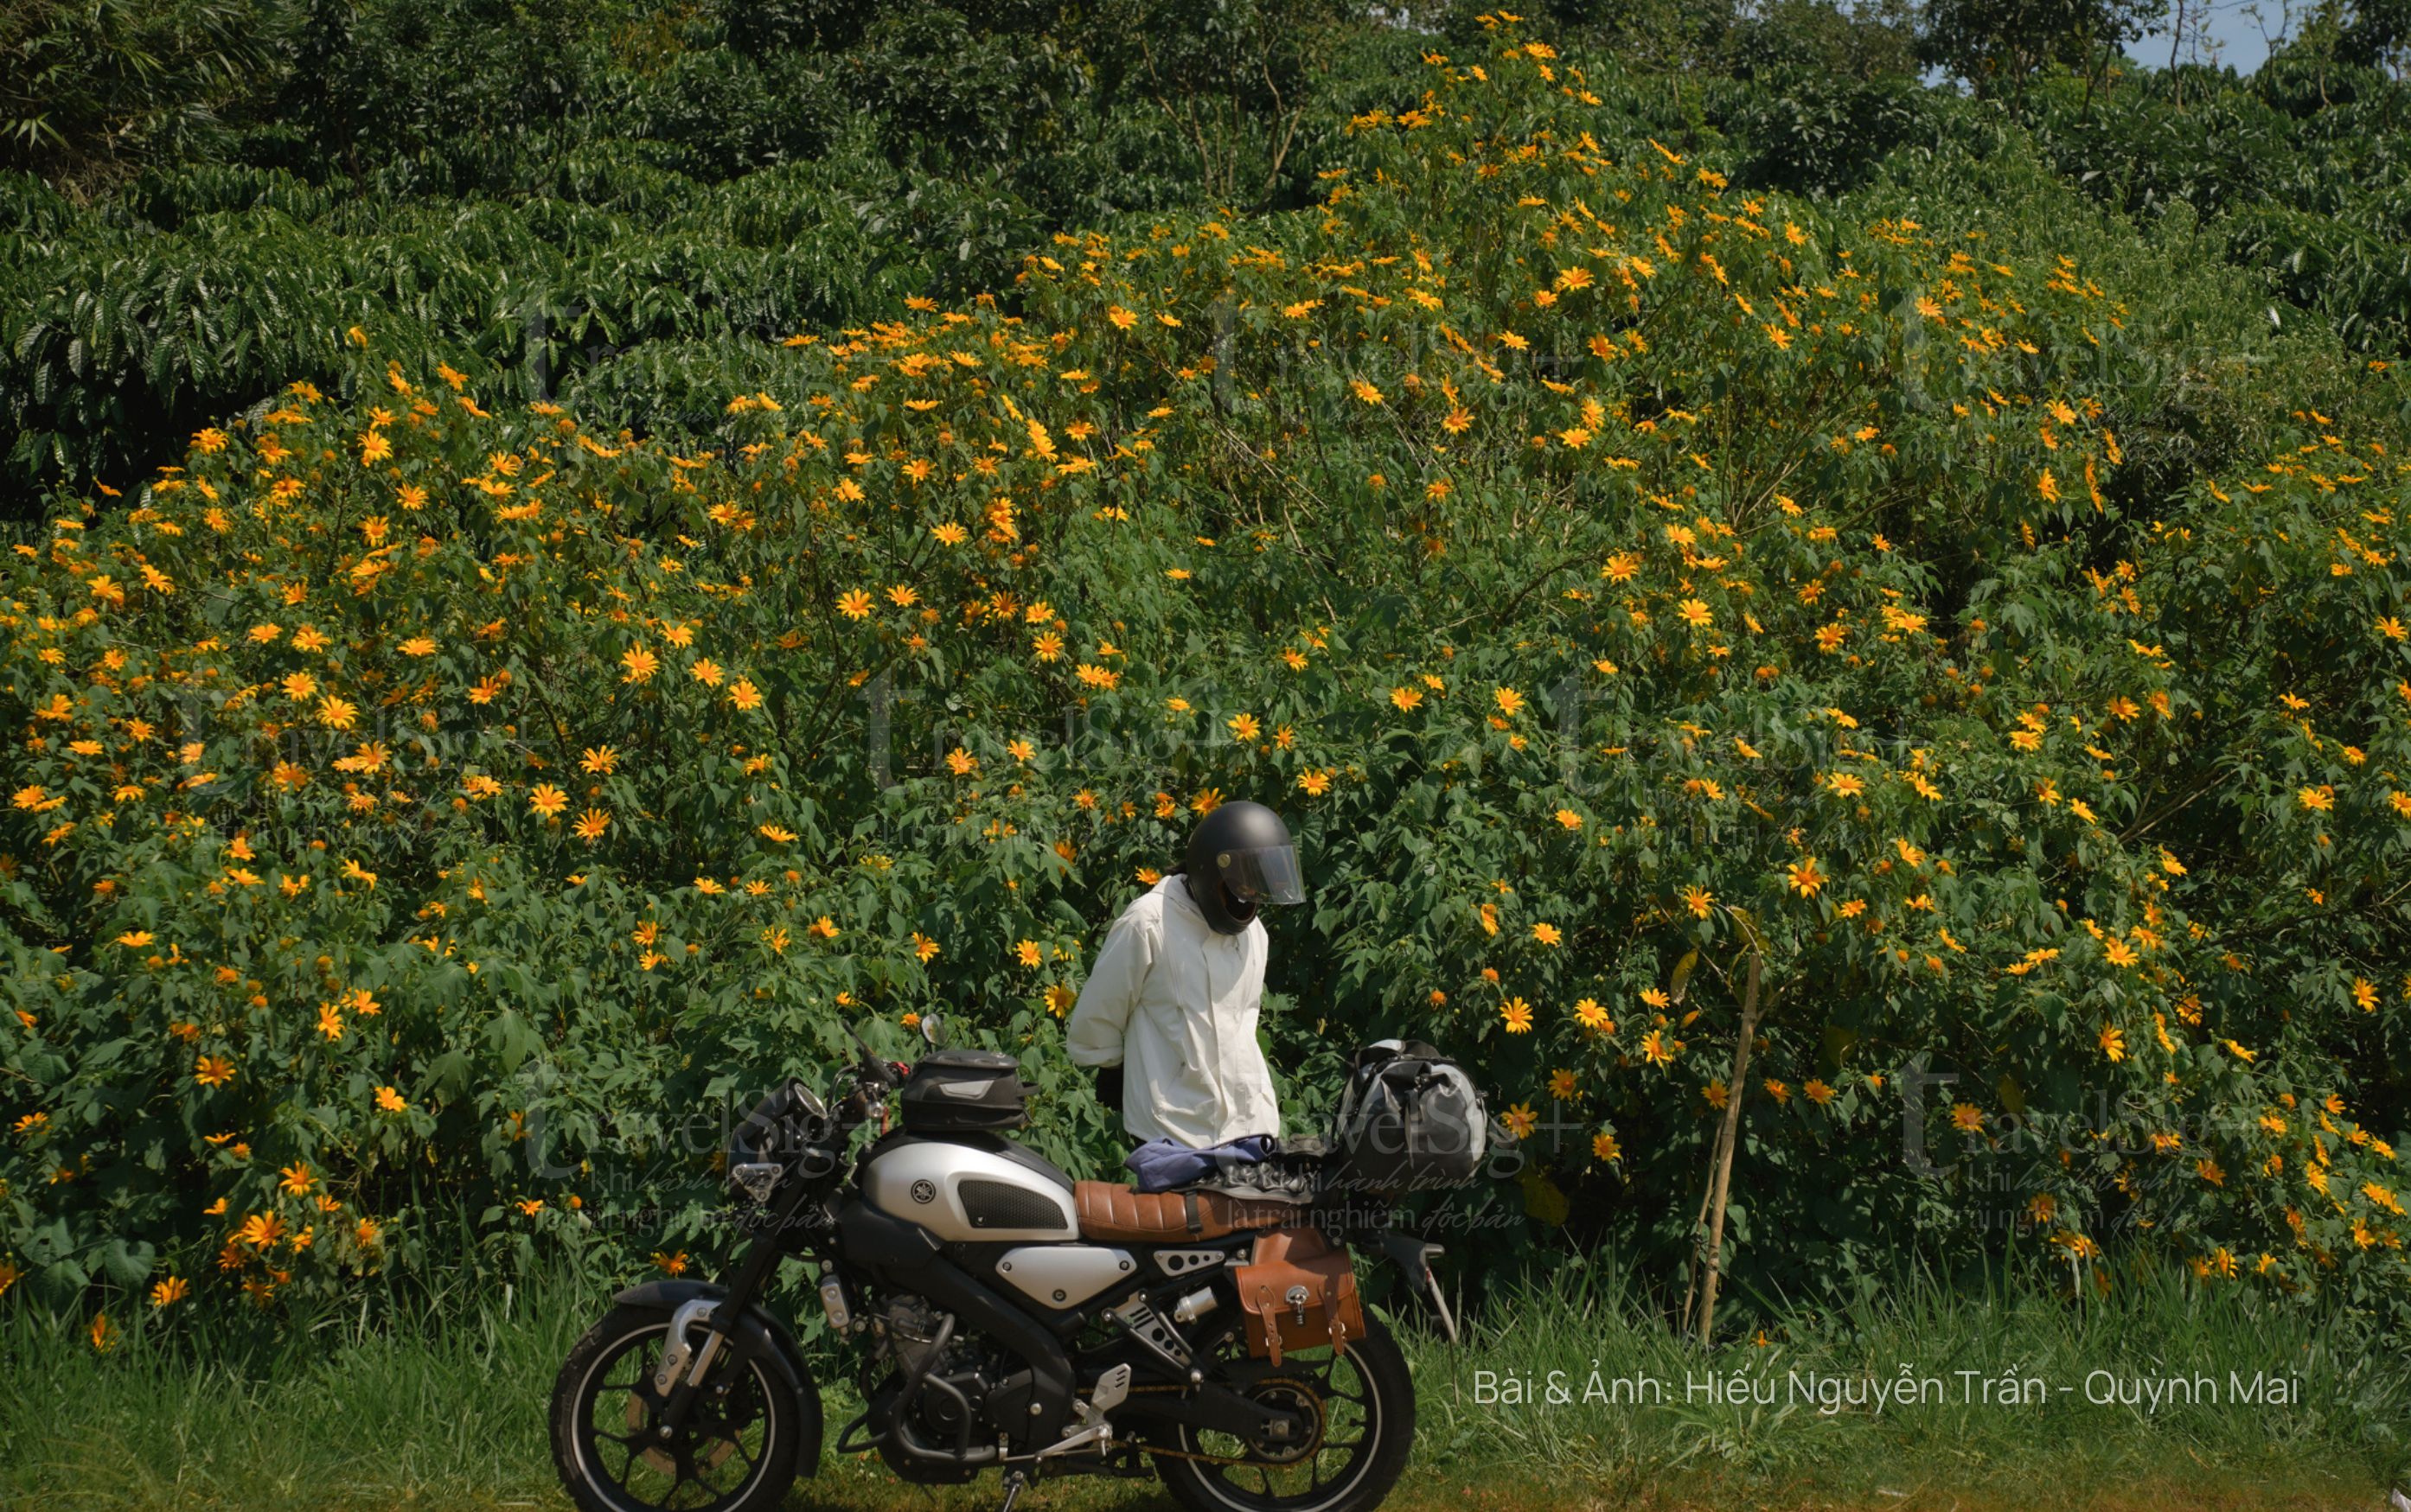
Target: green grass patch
[{"x": 449, "y": 1414}]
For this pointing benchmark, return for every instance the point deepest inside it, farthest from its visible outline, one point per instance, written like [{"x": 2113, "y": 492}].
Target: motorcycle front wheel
[
  {"x": 1362, "y": 1402},
  {"x": 737, "y": 1454}
]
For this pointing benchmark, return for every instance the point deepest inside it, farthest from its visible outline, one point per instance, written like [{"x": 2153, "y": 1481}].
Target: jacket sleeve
[{"x": 1093, "y": 1036}]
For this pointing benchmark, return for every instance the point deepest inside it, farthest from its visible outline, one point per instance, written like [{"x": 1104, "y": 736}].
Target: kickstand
[{"x": 1014, "y": 1482}]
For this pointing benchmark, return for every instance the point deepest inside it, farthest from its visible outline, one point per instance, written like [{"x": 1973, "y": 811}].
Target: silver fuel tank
[{"x": 960, "y": 1193}]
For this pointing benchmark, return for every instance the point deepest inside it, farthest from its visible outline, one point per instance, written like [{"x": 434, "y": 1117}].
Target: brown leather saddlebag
[{"x": 1299, "y": 1292}]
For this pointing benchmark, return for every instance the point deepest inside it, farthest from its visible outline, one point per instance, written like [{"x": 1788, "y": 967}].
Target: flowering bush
[{"x": 422, "y": 816}]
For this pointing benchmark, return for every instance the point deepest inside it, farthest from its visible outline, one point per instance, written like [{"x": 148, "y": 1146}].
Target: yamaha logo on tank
[{"x": 925, "y": 1191}]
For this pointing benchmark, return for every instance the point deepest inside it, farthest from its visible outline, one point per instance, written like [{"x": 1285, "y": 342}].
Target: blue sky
[{"x": 2223, "y": 23}]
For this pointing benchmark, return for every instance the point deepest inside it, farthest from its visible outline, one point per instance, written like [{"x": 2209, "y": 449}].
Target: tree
[
  {"x": 2375, "y": 33},
  {"x": 86, "y": 89},
  {"x": 1232, "y": 77},
  {"x": 1997, "y": 45}
]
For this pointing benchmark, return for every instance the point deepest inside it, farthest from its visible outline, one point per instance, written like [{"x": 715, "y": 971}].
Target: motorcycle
[{"x": 1006, "y": 1317}]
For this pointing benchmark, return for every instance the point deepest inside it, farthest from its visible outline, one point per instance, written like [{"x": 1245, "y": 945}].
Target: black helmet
[{"x": 1245, "y": 847}]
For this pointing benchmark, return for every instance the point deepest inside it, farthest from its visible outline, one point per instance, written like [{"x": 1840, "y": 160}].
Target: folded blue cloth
[{"x": 1162, "y": 1164}]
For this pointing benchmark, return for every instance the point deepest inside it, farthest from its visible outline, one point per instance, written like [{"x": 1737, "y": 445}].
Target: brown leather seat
[{"x": 1117, "y": 1214}]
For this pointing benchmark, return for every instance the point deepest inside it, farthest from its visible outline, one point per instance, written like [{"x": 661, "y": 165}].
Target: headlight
[{"x": 778, "y": 1129}]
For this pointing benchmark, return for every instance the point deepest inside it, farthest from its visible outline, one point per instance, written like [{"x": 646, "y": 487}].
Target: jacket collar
[
  {"x": 1175, "y": 895},
  {"x": 1174, "y": 890}
]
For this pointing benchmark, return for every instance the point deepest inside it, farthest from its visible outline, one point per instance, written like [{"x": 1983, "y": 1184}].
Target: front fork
[{"x": 686, "y": 1364}]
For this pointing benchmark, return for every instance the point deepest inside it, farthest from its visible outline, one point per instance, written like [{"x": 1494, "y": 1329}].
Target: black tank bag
[{"x": 965, "y": 1092}]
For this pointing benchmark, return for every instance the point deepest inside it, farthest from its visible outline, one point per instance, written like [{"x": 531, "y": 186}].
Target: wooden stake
[{"x": 1726, "y": 1139}]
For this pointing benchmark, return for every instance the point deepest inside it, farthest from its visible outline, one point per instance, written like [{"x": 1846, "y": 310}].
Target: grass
[
  {"x": 450, "y": 1414},
  {"x": 2338, "y": 1444}
]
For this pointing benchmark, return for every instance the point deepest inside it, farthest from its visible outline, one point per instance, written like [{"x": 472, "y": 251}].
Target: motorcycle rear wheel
[
  {"x": 1364, "y": 1401},
  {"x": 739, "y": 1451}
]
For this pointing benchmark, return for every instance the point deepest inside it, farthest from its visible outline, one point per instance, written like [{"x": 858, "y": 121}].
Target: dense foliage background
[
  {"x": 678, "y": 533},
  {"x": 614, "y": 205}
]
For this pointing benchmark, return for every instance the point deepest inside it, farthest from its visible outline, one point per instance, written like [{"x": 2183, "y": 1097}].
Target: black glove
[{"x": 1109, "y": 1086}]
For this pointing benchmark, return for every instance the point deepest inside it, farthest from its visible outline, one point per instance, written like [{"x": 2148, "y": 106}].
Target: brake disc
[{"x": 662, "y": 1459}]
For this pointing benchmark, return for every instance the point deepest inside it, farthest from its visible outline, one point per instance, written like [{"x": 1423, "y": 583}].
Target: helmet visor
[{"x": 1269, "y": 874}]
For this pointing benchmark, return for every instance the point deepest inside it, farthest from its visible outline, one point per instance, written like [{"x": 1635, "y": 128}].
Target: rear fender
[
  {"x": 757, "y": 1335},
  {"x": 1413, "y": 1257}
]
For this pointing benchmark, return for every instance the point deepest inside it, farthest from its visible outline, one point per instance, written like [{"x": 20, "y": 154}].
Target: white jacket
[{"x": 1173, "y": 1004}]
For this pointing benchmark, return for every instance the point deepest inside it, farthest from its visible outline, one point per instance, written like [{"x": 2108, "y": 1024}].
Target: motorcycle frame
[{"x": 819, "y": 1215}]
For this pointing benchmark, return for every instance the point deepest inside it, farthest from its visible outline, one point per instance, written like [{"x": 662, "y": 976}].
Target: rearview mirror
[{"x": 931, "y": 1024}]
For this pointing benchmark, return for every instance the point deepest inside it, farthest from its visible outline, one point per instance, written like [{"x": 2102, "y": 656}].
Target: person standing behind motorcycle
[{"x": 1168, "y": 1015}]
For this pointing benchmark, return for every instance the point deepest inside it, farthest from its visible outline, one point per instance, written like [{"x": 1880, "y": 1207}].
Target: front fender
[{"x": 757, "y": 1335}]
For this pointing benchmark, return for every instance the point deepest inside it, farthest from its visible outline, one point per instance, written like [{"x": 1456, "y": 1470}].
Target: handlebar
[
  {"x": 804, "y": 1133},
  {"x": 862, "y": 1087},
  {"x": 887, "y": 1074}
]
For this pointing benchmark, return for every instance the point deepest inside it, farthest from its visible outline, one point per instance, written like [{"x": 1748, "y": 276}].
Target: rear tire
[
  {"x": 603, "y": 1407},
  {"x": 1381, "y": 1418}
]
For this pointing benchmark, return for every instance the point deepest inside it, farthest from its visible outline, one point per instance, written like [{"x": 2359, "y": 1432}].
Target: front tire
[
  {"x": 737, "y": 1454},
  {"x": 1366, "y": 1399}
]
